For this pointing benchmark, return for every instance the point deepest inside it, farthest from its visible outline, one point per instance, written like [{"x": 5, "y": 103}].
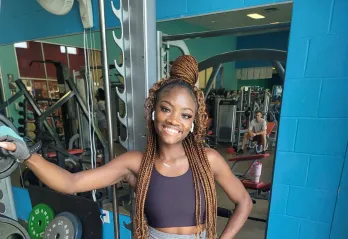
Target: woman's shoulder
[
  {"x": 212, "y": 155},
  {"x": 133, "y": 155},
  {"x": 215, "y": 159},
  {"x": 133, "y": 159}
]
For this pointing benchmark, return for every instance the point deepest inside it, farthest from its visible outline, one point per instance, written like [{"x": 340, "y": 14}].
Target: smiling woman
[
  {"x": 176, "y": 159},
  {"x": 174, "y": 178}
]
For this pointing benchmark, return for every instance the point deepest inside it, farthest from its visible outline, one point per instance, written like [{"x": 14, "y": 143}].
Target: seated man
[{"x": 257, "y": 132}]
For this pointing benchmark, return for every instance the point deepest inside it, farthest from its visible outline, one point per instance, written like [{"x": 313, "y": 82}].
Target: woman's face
[{"x": 174, "y": 114}]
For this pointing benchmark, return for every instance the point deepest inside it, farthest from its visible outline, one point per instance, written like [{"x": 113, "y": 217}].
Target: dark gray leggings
[{"x": 155, "y": 234}]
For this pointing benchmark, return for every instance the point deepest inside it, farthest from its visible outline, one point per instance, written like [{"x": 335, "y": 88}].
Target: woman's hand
[
  {"x": 11, "y": 144},
  {"x": 8, "y": 146}
]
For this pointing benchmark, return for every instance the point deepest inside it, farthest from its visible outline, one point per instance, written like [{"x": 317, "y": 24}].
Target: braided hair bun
[{"x": 186, "y": 68}]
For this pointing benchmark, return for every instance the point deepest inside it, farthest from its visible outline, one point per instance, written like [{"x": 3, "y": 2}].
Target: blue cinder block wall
[
  {"x": 310, "y": 185},
  {"x": 311, "y": 170}
]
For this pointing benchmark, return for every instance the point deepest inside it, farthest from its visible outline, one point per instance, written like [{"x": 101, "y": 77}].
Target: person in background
[{"x": 257, "y": 132}]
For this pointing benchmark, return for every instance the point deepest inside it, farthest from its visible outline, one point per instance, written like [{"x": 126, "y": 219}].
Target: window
[
  {"x": 71, "y": 50},
  {"x": 21, "y": 45}
]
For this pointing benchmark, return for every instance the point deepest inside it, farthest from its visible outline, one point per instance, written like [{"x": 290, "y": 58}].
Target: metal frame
[
  {"x": 163, "y": 47},
  {"x": 138, "y": 46},
  {"x": 274, "y": 56},
  {"x": 238, "y": 31},
  {"x": 7, "y": 199},
  {"x": 42, "y": 115}
]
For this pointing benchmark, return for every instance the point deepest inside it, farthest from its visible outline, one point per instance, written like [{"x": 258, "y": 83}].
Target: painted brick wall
[{"x": 309, "y": 196}]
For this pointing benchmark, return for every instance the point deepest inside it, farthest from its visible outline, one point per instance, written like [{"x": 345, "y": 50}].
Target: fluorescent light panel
[{"x": 255, "y": 16}]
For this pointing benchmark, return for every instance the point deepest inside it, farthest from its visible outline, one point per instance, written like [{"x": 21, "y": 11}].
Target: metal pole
[
  {"x": 231, "y": 31},
  {"x": 280, "y": 69},
  {"x": 211, "y": 80},
  {"x": 240, "y": 116},
  {"x": 108, "y": 111}
]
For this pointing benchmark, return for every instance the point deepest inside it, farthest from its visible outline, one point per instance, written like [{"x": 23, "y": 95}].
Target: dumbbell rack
[{"x": 6, "y": 198}]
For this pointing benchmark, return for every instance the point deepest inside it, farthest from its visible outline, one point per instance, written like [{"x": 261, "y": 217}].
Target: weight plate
[
  {"x": 39, "y": 218},
  {"x": 76, "y": 222},
  {"x": 11, "y": 229},
  {"x": 7, "y": 166},
  {"x": 65, "y": 225}
]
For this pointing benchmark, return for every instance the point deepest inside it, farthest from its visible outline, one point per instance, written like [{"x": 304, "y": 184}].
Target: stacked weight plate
[
  {"x": 65, "y": 225},
  {"x": 39, "y": 218}
]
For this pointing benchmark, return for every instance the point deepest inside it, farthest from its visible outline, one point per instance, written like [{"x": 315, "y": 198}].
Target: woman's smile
[{"x": 171, "y": 130}]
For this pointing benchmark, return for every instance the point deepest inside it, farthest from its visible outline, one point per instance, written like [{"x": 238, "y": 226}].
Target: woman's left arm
[{"x": 234, "y": 190}]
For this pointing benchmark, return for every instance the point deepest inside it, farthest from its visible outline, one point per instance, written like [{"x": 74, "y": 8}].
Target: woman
[{"x": 175, "y": 177}]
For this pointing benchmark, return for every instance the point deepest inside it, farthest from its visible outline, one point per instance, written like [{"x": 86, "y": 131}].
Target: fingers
[{"x": 8, "y": 146}]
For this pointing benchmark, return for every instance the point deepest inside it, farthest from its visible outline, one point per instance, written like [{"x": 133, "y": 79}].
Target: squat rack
[{"x": 138, "y": 47}]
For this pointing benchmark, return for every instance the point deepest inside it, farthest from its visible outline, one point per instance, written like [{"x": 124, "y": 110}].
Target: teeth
[{"x": 172, "y": 130}]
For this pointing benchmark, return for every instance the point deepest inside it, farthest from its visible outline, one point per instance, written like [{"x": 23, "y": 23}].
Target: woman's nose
[{"x": 173, "y": 119}]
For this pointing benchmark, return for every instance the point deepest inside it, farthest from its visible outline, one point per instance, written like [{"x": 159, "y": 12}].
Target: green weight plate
[{"x": 39, "y": 218}]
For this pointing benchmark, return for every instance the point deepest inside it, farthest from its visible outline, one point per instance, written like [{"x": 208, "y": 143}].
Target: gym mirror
[{"x": 242, "y": 57}]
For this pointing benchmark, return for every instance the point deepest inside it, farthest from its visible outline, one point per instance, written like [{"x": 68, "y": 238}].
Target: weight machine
[{"x": 249, "y": 99}]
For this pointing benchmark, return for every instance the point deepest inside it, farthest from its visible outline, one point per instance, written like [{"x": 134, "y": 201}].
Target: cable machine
[{"x": 138, "y": 69}]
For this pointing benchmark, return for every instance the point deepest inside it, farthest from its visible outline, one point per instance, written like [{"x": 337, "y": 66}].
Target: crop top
[{"x": 171, "y": 201}]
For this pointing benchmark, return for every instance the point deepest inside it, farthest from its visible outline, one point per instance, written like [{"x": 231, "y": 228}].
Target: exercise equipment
[
  {"x": 224, "y": 212},
  {"x": 39, "y": 218},
  {"x": 259, "y": 190},
  {"x": 8, "y": 165},
  {"x": 233, "y": 111},
  {"x": 64, "y": 225},
  {"x": 225, "y": 112},
  {"x": 11, "y": 229},
  {"x": 47, "y": 135},
  {"x": 246, "y": 158},
  {"x": 87, "y": 210},
  {"x": 27, "y": 178}
]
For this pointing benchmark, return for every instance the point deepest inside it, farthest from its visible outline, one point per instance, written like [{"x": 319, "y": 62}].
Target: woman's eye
[
  {"x": 187, "y": 116},
  {"x": 164, "y": 109}
]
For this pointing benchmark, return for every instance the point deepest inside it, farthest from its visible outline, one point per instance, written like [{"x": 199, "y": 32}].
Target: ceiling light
[
  {"x": 213, "y": 21},
  {"x": 274, "y": 22},
  {"x": 255, "y": 16}
]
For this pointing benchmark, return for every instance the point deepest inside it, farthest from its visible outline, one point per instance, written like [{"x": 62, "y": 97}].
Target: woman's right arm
[{"x": 63, "y": 181}]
